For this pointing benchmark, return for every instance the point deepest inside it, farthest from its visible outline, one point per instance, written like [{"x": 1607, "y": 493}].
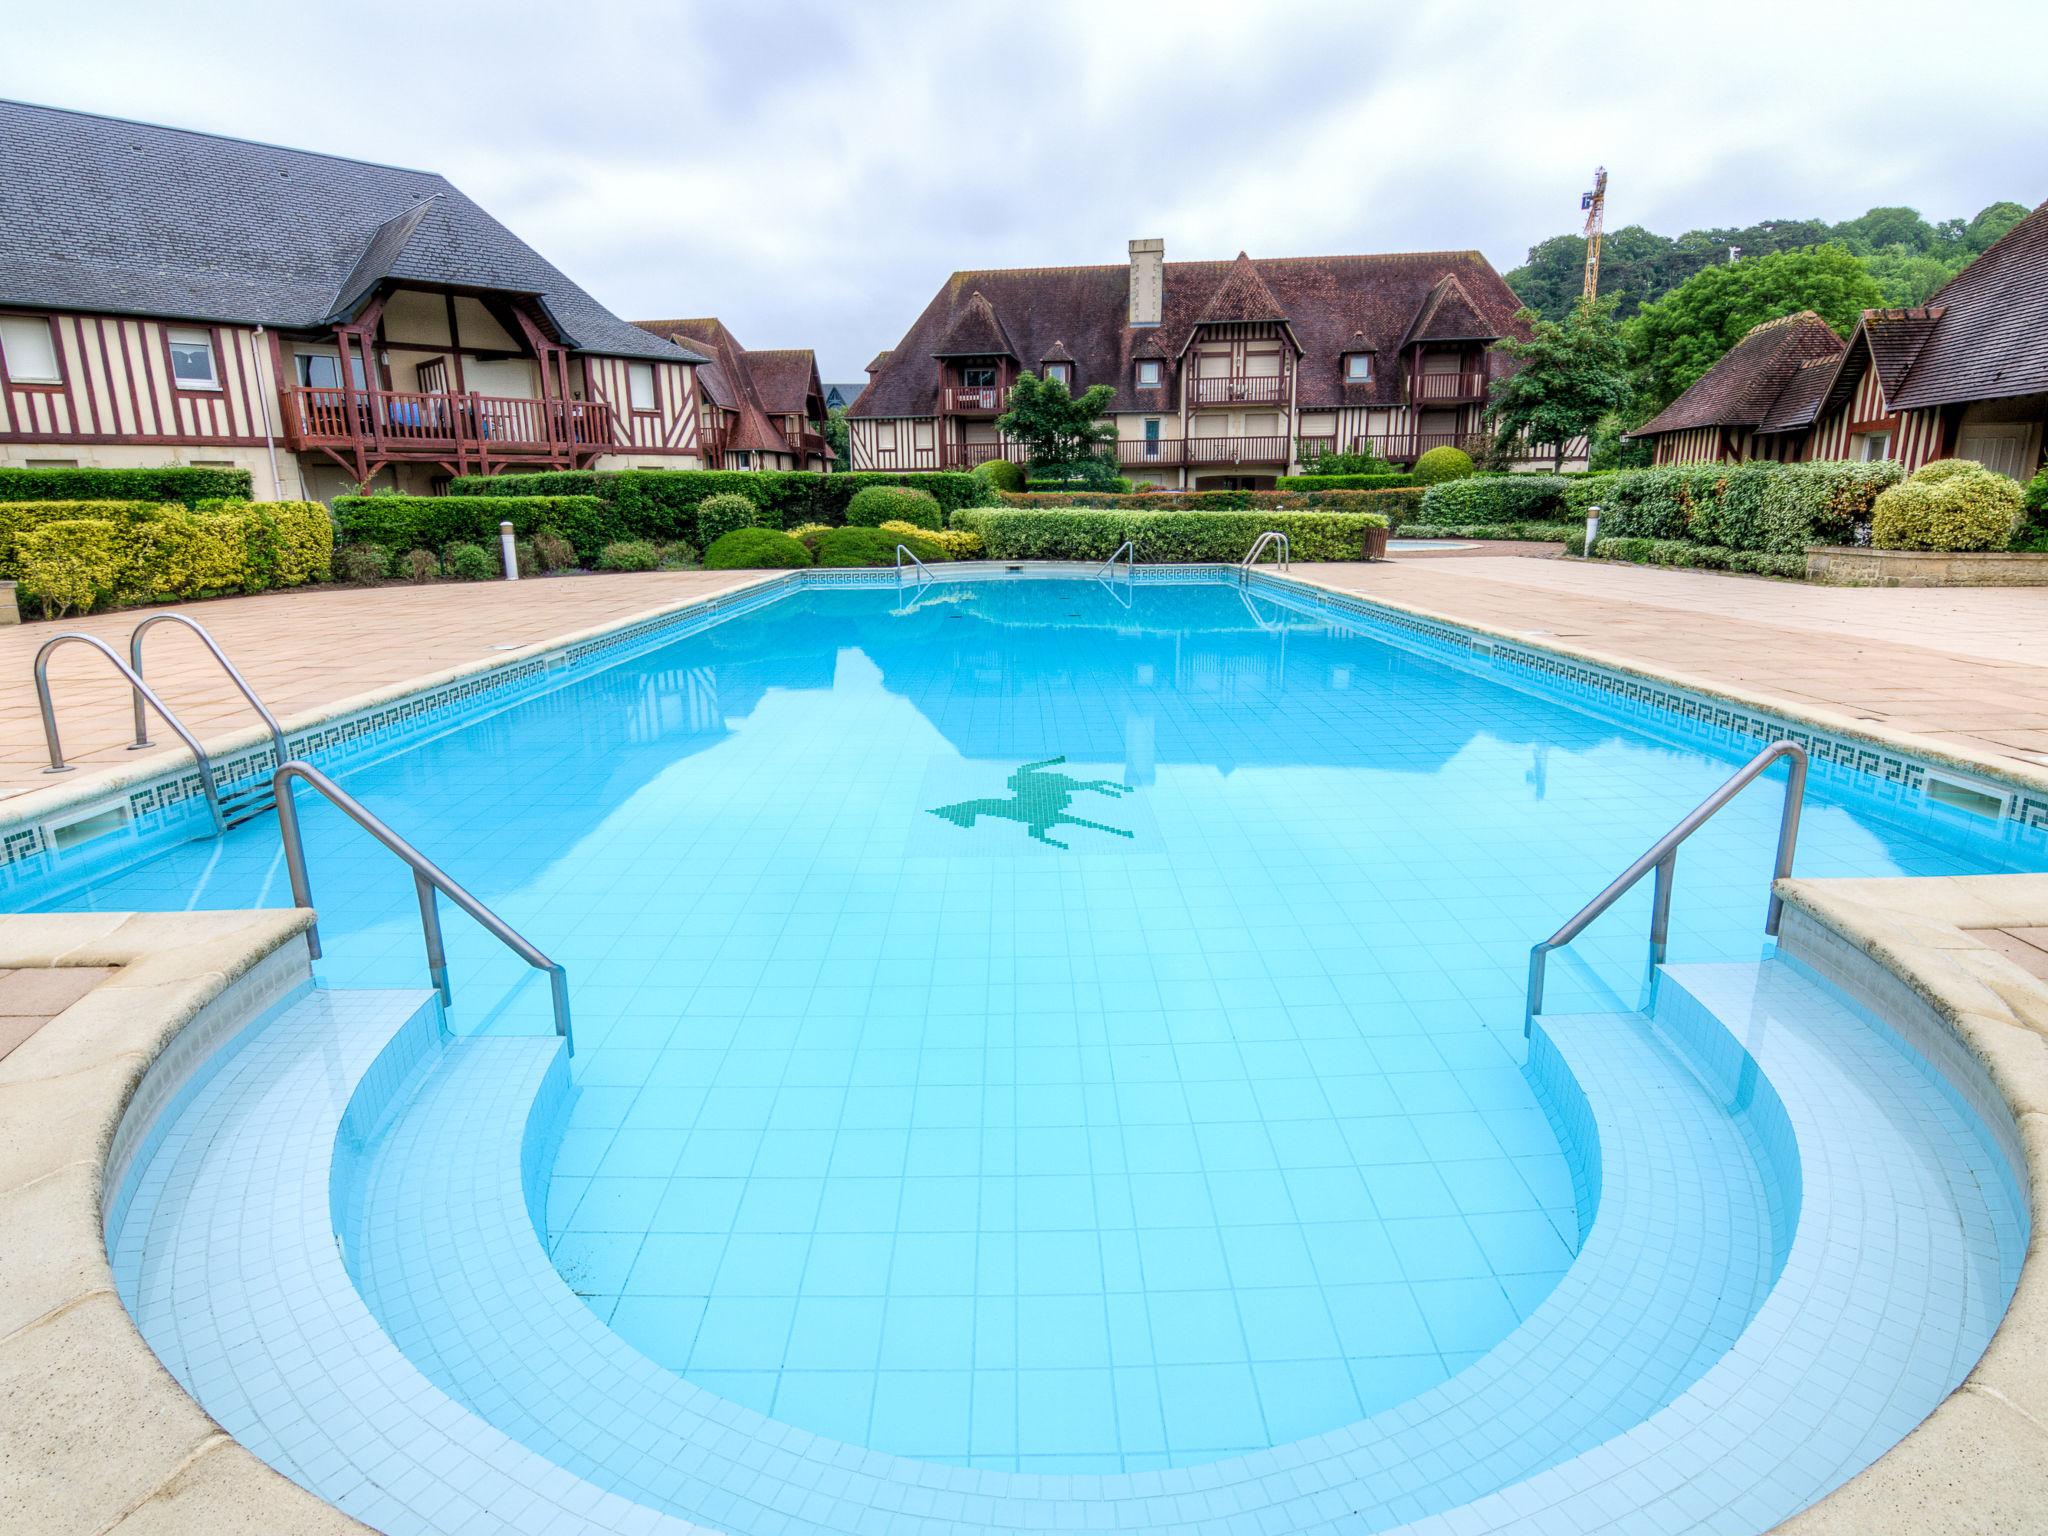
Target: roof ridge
[
  {"x": 962, "y": 273},
  {"x": 231, "y": 138}
]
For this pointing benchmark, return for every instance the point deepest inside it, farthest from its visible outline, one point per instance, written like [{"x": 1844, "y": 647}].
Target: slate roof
[
  {"x": 975, "y": 331},
  {"x": 1798, "y": 404},
  {"x": 104, "y": 215},
  {"x": 839, "y": 396},
  {"x": 1741, "y": 389},
  {"x": 786, "y": 379},
  {"x": 754, "y": 386},
  {"x": 1324, "y": 300},
  {"x": 1992, "y": 338}
]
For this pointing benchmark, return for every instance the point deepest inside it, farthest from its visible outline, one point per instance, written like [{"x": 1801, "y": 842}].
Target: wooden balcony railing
[
  {"x": 1239, "y": 387},
  {"x": 1306, "y": 448},
  {"x": 1141, "y": 451},
  {"x": 395, "y": 420},
  {"x": 1439, "y": 388},
  {"x": 1238, "y": 450},
  {"x": 973, "y": 399},
  {"x": 1406, "y": 447},
  {"x": 967, "y": 455}
]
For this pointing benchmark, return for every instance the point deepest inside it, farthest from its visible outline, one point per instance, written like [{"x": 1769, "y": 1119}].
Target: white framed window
[
  {"x": 1149, "y": 370},
  {"x": 29, "y": 348},
  {"x": 921, "y": 435},
  {"x": 1872, "y": 446},
  {"x": 742, "y": 459},
  {"x": 885, "y": 437},
  {"x": 192, "y": 362},
  {"x": 640, "y": 386},
  {"x": 1063, "y": 372},
  {"x": 1358, "y": 366}
]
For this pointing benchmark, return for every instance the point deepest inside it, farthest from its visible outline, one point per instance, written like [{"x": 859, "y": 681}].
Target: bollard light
[
  {"x": 511, "y": 554},
  {"x": 1592, "y": 529}
]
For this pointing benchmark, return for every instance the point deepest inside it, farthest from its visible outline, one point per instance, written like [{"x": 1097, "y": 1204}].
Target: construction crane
[{"x": 1595, "y": 205}]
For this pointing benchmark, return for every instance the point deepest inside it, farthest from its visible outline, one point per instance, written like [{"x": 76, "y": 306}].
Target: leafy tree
[
  {"x": 1881, "y": 227},
  {"x": 1058, "y": 432},
  {"x": 1678, "y": 338},
  {"x": 839, "y": 438},
  {"x": 1553, "y": 277},
  {"x": 1572, "y": 375},
  {"x": 1907, "y": 276},
  {"x": 1991, "y": 225}
]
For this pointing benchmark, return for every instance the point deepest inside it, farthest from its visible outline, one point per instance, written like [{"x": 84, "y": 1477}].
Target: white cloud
[{"x": 812, "y": 172}]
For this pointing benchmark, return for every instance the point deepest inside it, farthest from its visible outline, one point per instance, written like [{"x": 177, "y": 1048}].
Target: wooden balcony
[
  {"x": 973, "y": 399},
  {"x": 1141, "y": 453},
  {"x": 386, "y": 424},
  {"x": 1306, "y": 448},
  {"x": 1447, "y": 388},
  {"x": 1239, "y": 387},
  {"x": 967, "y": 455},
  {"x": 1407, "y": 447},
  {"x": 1239, "y": 450}
]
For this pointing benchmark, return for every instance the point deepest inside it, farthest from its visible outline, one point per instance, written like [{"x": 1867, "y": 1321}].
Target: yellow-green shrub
[
  {"x": 958, "y": 543},
  {"x": 71, "y": 565},
  {"x": 17, "y": 517},
  {"x": 1949, "y": 505},
  {"x": 112, "y": 553}
]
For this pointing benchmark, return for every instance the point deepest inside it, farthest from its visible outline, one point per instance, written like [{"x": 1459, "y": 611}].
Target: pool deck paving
[{"x": 1962, "y": 668}]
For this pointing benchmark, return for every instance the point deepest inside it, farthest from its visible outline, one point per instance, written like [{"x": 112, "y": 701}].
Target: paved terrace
[{"x": 1966, "y": 667}]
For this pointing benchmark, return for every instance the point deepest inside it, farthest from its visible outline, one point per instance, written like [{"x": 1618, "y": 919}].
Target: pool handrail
[
  {"x": 427, "y": 878},
  {"x": 277, "y": 743},
  {"x": 1662, "y": 856},
  {"x": 924, "y": 573},
  {"x": 143, "y": 694},
  {"x": 1126, "y": 552},
  {"x": 1271, "y": 536}
]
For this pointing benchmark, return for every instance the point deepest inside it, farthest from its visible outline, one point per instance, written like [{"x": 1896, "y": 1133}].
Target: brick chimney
[{"x": 1148, "y": 281}]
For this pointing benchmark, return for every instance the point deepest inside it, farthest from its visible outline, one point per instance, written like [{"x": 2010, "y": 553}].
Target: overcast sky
[{"x": 811, "y": 173}]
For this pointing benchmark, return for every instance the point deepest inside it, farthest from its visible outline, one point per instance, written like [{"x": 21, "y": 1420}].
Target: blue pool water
[{"x": 1041, "y": 1028}]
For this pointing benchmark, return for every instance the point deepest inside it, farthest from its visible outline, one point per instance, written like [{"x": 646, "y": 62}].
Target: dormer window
[
  {"x": 978, "y": 376},
  {"x": 1148, "y": 373},
  {"x": 1059, "y": 372},
  {"x": 1357, "y": 367}
]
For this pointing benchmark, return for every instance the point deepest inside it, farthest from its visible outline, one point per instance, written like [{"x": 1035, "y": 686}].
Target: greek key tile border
[{"x": 242, "y": 778}]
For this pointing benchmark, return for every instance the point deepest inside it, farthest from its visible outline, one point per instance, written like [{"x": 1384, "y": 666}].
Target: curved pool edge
[
  {"x": 1903, "y": 949},
  {"x": 78, "y": 1098}
]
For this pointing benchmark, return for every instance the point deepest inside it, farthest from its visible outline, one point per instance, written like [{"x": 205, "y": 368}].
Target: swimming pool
[{"x": 1053, "y": 1030}]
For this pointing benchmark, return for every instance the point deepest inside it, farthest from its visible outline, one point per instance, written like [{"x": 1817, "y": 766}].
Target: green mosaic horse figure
[{"x": 1038, "y": 801}]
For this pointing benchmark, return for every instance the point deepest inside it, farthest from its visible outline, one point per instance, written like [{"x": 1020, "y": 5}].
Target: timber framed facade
[
  {"x": 760, "y": 409},
  {"x": 322, "y": 323},
  {"x": 1225, "y": 374},
  {"x": 1963, "y": 376}
]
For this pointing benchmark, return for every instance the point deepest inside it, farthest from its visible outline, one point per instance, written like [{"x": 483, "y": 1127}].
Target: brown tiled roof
[
  {"x": 1449, "y": 314},
  {"x": 1242, "y": 298},
  {"x": 1325, "y": 300},
  {"x": 726, "y": 380},
  {"x": 1057, "y": 353},
  {"x": 1798, "y": 403},
  {"x": 1897, "y": 337},
  {"x": 1992, "y": 338},
  {"x": 975, "y": 331},
  {"x": 786, "y": 378},
  {"x": 1741, "y": 389}
]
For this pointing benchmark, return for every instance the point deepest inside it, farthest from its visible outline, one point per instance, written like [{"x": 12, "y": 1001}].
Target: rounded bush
[
  {"x": 628, "y": 555},
  {"x": 1950, "y": 505},
  {"x": 722, "y": 514},
  {"x": 362, "y": 565},
  {"x": 420, "y": 565},
  {"x": 875, "y": 505},
  {"x": 470, "y": 562},
  {"x": 1440, "y": 464},
  {"x": 678, "y": 555},
  {"x": 755, "y": 549},
  {"x": 954, "y": 543},
  {"x": 554, "y": 552},
  {"x": 1000, "y": 474},
  {"x": 872, "y": 546}
]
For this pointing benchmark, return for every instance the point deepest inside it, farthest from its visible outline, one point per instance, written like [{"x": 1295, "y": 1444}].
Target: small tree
[
  {"x": 1572, "y": 374},
  {"x": 838, "y": 439},
  {"x": 1058, "y": 432}
]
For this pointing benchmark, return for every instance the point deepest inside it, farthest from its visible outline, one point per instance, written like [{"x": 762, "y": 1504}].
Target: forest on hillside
[{"x": 1906, "y": 256}]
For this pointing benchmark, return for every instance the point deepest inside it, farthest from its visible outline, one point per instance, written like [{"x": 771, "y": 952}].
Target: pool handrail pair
[
  {"x": 1271, "y": 536},
  {"x": 1662, "y": 856},
  {"x": 427, "y": 878},
  {"x": 145, "y": 698}
]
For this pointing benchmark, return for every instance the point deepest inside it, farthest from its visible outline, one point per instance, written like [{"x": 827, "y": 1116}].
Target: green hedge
[
  {"x": 1495, "y": 499},
  {"x": 875, "y": 505},
  {"x": 173, "y": 482},
  {"x": 1690, "y": 556},
  {"x": 661, "y": 504},
  {"x": 1777, "y": 508},
  {"x": 401, "y": 523},
  {"x": 122, "y": 553},
  {"x": 756, "y": 549},
  {"x": 857, "y": 545},
  {"x": 1539, "y": 532},
  {"x": 1166, "y": 537},
  {"x": 1390, "y": 481},
  {"x": 1394, "y": 505}
]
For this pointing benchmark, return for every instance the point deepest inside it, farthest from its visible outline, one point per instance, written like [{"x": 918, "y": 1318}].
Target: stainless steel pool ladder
[
  {"x": 427, "y": 878},
  {"x": 1270, "y": 537},
  {"x": 1126, "y": 552},
  {"x": 236, "y": 805},
  {"x": 924, "y": 573},
  {"x": 1662, "y": 856}
]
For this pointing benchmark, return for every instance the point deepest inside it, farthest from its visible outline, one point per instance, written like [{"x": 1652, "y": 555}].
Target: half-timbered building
[
  {"x": 1964, "y": 375},
  {"x": 176, "y": 297},
  {"x": 1224, "y": 373},
  {"x": 760, "y": 409}
]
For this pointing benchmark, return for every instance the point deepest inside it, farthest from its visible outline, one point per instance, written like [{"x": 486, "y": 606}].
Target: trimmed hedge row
[
  {"x": 1165, "y": 537},
  {"x": 182, "y": 483},
  {"x": 1495, "y": 499},
  {"x": 1689, "y": 556},
  {"x": 401, "y": 523},
  {"x": 1778, "y": 508},
  {"x": 1393, "y": 480},
  {"x": 1392, "y": 504},
  {"x": 662, "y": 503},
  {"x": 1536, "y": 532},
  {"x": 107, "y": 555}
]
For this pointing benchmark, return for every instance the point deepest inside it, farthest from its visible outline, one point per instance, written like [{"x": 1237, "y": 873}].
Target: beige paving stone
[
  {"x": 50, "y": 1121},
  {"x": 225, "y": 1491},
  {"x": 47, "y": 991},
  {"x": 52, "y": 1254}
]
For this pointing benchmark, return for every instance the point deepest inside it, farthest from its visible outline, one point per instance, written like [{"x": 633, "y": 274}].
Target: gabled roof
[
  {"x": 1057, "y": 353},
  {"x": 975, "y": 332},
  {"x": 726, "y": 380},
  {"x": 1897, "y": 337},
  {"x": 1241, "y": 298},
  {"x": 787, "y": 379},
  {"x": 1798, "y": 404},
  {"x": 1992, "y": 338},
  {"x": 1449, "y": 314},
  {"x": 101, "y": 214},
  {"x": 1324, "y": 300},
  {"x": 1741, "y": 389}
]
